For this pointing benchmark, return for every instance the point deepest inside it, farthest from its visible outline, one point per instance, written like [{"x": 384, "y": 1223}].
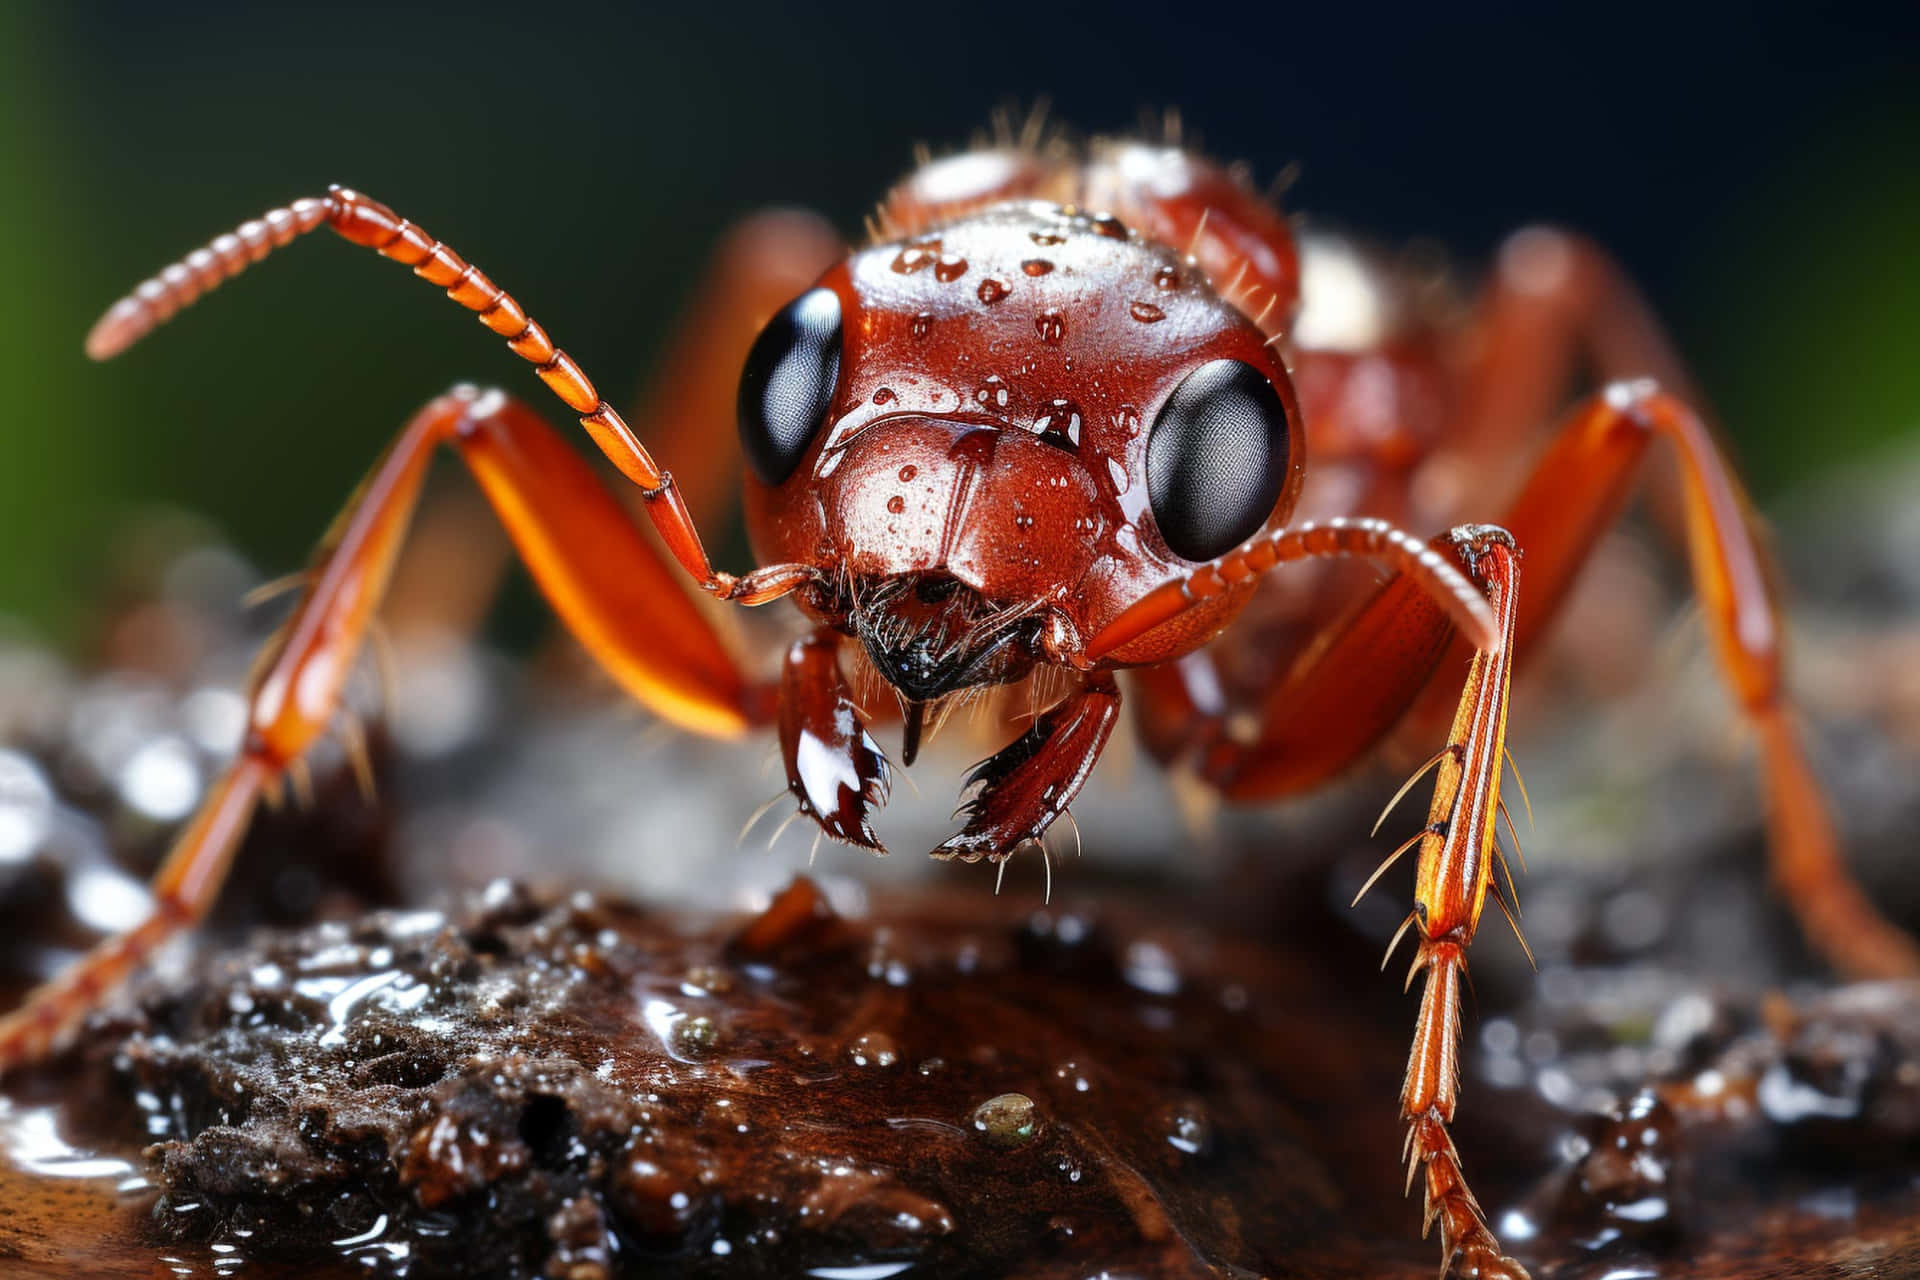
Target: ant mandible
[{"x": 1057, "y": 415}]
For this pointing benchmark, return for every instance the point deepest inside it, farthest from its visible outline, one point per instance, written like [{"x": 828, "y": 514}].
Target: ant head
[{"x": 1031, "y": 414}]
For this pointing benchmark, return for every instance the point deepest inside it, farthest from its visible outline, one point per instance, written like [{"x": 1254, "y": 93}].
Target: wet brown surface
[
  {"x": 568, "y": 1089},
  {"x": 952, "y": 1087}
]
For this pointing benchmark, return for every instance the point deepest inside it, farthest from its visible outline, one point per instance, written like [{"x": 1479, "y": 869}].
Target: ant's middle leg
[
  {"x": 613, "y": 590},
  {"x": 1554, "y": 301}
]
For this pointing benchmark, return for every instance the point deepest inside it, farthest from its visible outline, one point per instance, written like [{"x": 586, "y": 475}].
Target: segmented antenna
[
  {"x": 159, "y": 298},
  {"x": 1365, "y": 538},
  {"x": 370, "y": 224}
]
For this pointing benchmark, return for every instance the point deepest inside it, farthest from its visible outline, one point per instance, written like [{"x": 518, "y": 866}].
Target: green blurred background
[{"x": 1757, "y": 170}]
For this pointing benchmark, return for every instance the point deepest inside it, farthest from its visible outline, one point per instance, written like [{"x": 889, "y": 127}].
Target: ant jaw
[
  {"x": 929, "y": 636},
  {"x": 914, "y": 719},
  {"x": 1060, "y": 641}
]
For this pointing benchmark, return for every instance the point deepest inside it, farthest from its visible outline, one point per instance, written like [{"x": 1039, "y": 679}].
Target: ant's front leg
[
  {"x": 1026, "y": 785},
  {"x": 618, "y": 596},
  {"x": 1324, "y": 715},
  {"x": 834, "y": 767},
  {"x": 1458, "y": 857}
]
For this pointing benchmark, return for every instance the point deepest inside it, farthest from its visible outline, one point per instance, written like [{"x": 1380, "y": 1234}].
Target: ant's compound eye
[
  {"x": 1217, "y": 459},
  {"x": 788, "y": 384}
]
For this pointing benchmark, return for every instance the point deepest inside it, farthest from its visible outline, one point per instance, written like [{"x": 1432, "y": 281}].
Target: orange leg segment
[
  {"x": 1555, "y": 300},
  {"x": 183, "y": 890},
  {"x": 1456, "y": 872},
  {"x": 616, "y": 594},
  {"x": 1326, "y": 712},
  {"x": 1339, "y": 700},
  {"x": 1576, "y": 491},
  {"x": 1324, "y": 715}
]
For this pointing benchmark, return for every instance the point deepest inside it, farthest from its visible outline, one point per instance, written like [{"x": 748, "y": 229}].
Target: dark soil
[{"x": 955, "y": 1088}]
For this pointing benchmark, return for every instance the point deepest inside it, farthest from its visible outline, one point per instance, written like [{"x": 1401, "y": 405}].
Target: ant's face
[{"x": 1019, "y": 421}]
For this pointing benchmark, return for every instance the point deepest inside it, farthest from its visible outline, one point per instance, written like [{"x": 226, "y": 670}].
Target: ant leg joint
[
  {"x": 1480, "y": 536},
  {"x": 1629, "y": 395},
  {"x": 1474, "y": 541},
  {"x": 476, "y": 405}
]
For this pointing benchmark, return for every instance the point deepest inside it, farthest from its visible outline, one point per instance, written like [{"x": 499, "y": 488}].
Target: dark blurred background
[{"x": 1757, "y": 170}]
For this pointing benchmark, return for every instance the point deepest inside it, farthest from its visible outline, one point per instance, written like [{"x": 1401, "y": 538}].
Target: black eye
[
  {"x": 1216, "y": 459},
  {"x": 787, "y": 386}
]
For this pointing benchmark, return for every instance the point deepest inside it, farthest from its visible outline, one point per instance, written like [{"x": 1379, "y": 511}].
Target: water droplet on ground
[{"x": 1010, "y": 1120}]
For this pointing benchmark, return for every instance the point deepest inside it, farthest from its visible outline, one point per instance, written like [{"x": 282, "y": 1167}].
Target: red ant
[{"x": 1057, "y": 415}]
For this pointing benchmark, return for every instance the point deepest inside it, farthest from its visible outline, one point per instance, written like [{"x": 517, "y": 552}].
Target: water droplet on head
[
  {"x": 1051, "y": 326},
  {"x": 908, "y": 472},
  {"x": 1166, "y": 278},
  {"x": 923, "y": 324},
  {"x": 1145, "y": 312},
  {"x": 915, "y": 257},
  {"x": 949, "y": 268},
  {"x": 993, "y": 391},
  {"x": 1059, "y": 424},
  {"x": 1046, "y": 237},
  {"x": 883, "y": 396},
  {"x": 1107, "y": 225},
  {"x": 991, "y": 291},
  {"x": 896, "y": 504},
  {"x": 1036, "y": 266}
]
